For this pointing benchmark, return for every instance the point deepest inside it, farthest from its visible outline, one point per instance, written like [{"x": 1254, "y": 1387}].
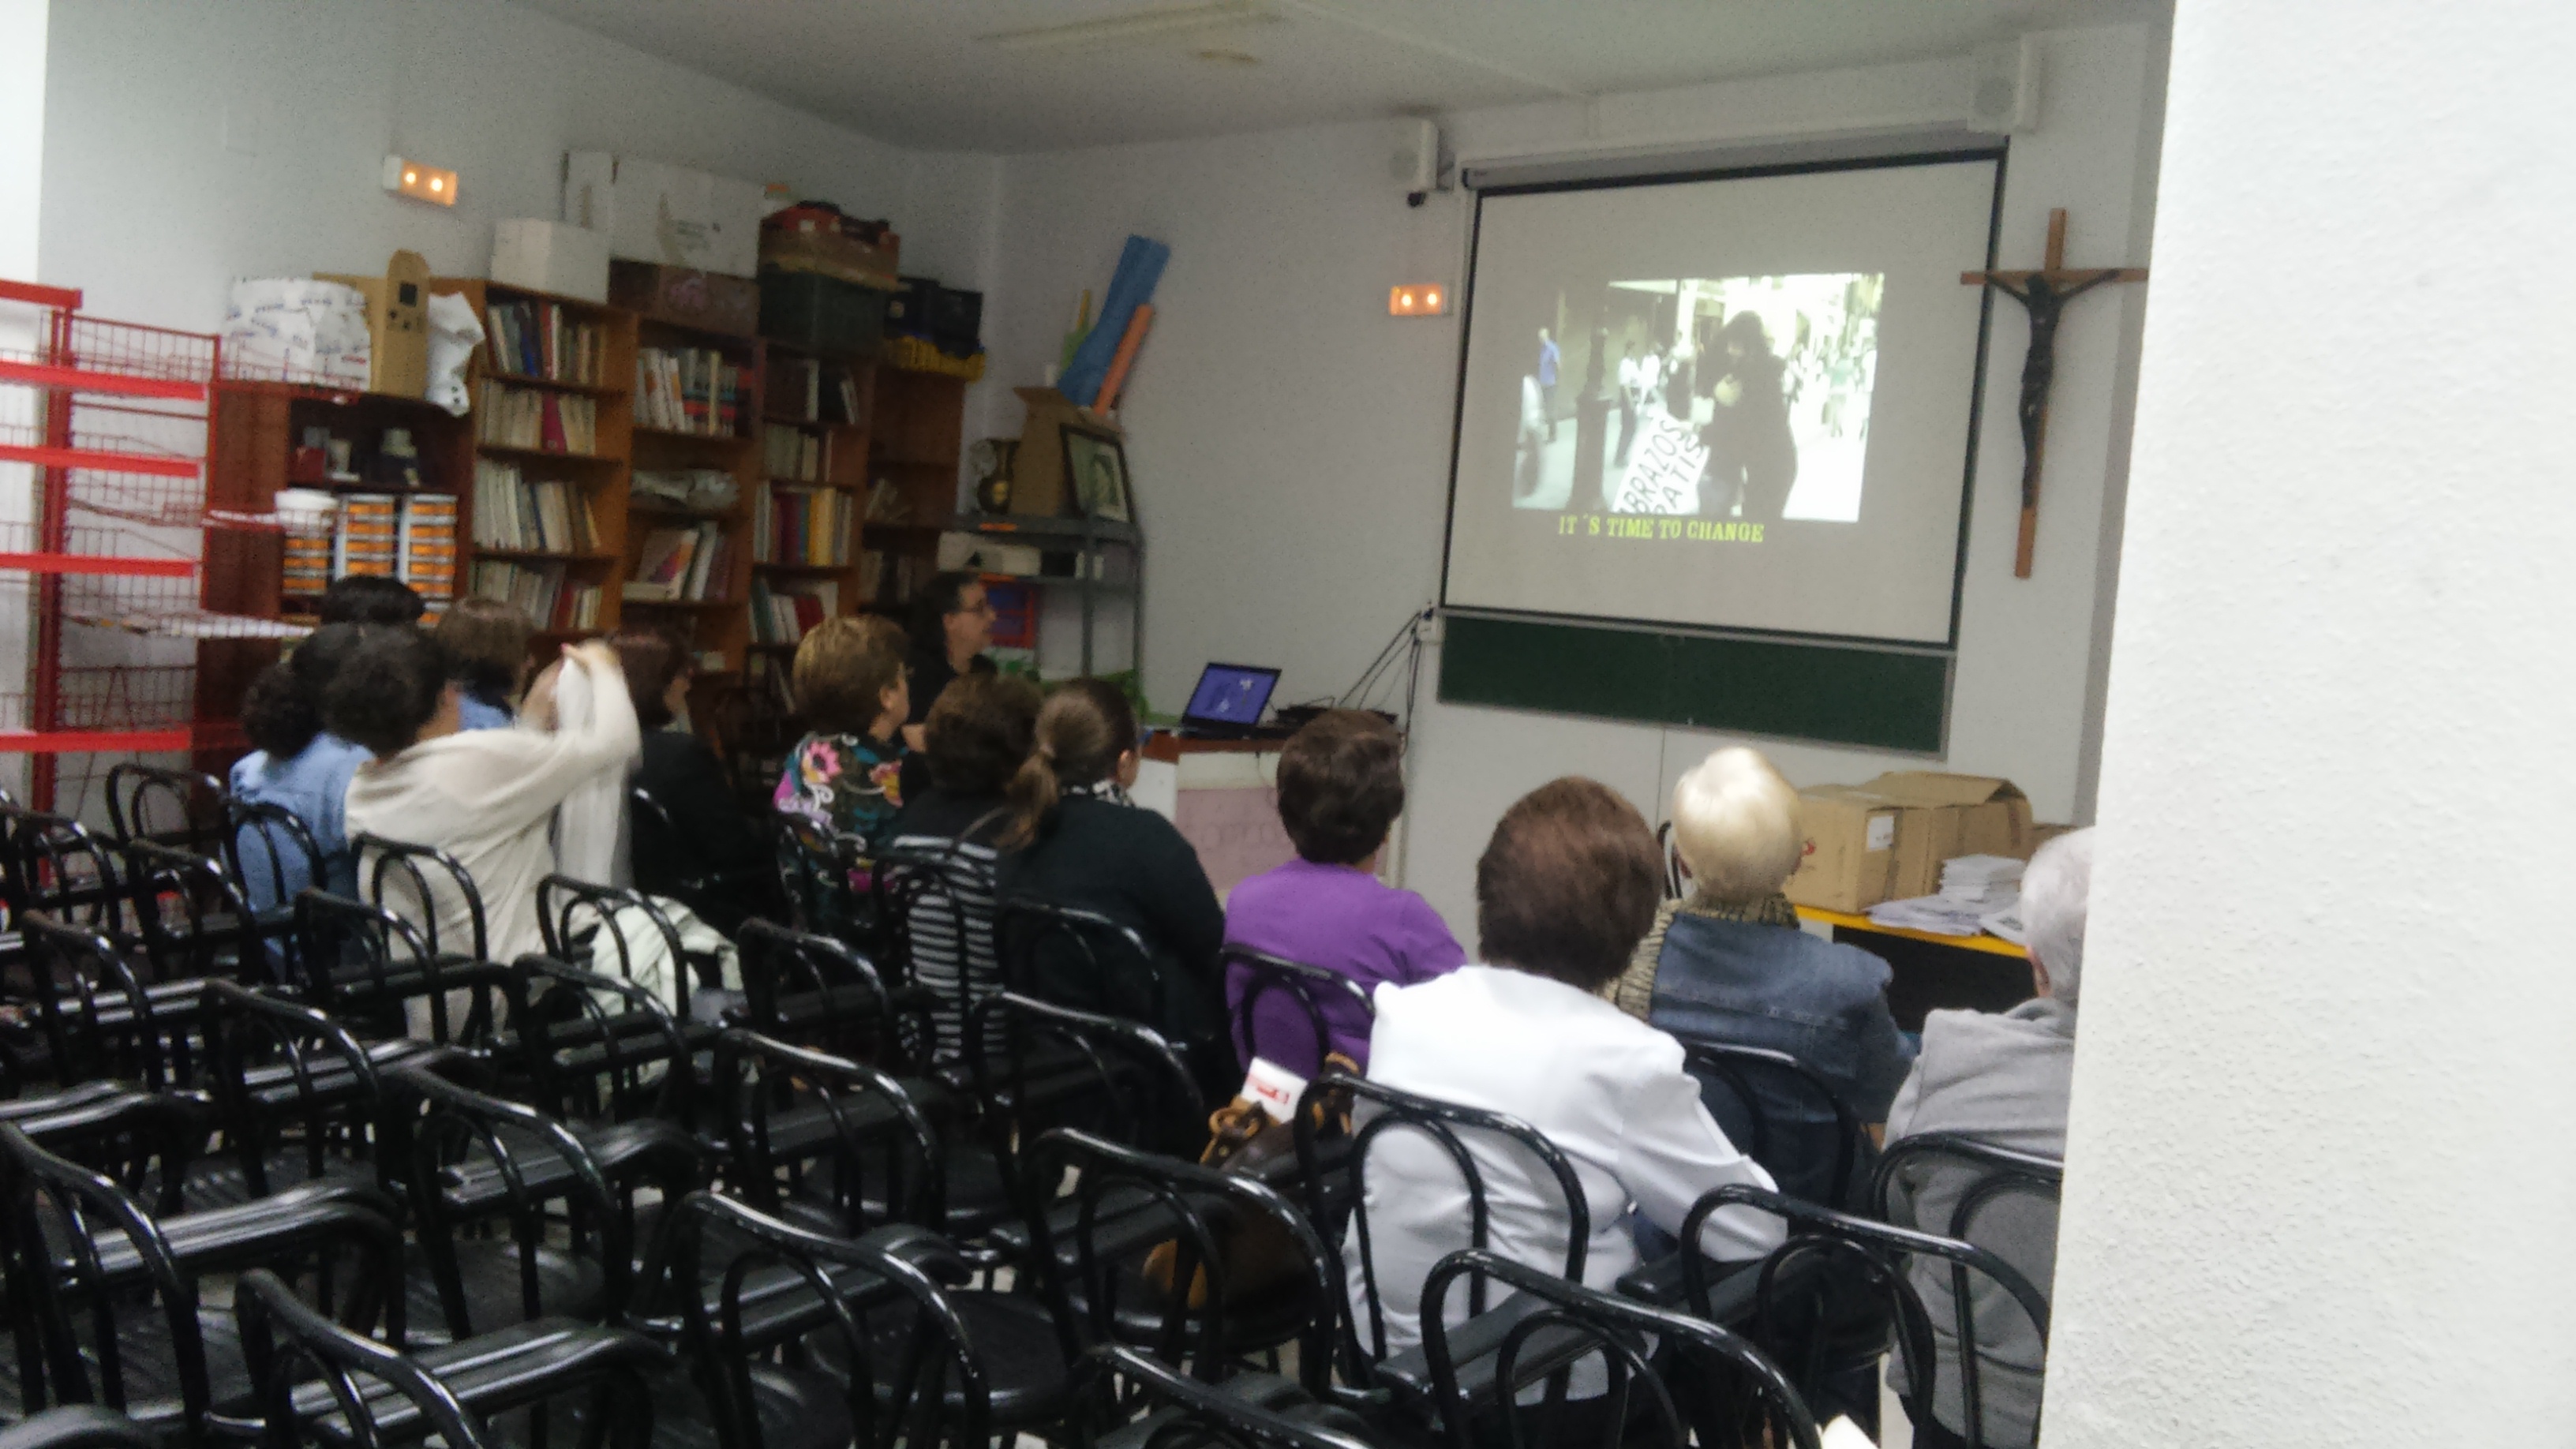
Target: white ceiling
[{"x": 915, "y": 72}]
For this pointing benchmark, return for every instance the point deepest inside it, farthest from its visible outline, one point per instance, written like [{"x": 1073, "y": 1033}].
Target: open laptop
[{"x": 1229, "y": 701}]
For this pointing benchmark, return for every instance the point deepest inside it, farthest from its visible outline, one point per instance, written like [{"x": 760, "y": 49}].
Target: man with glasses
[{"x": 952, "y": 626}]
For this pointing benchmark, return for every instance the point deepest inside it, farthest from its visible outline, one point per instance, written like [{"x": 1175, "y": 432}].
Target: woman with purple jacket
[{"x": 1341, "y": 785}]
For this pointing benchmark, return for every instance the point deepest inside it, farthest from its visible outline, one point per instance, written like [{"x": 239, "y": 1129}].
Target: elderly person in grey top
[{"x": 2002, "y": 1081}]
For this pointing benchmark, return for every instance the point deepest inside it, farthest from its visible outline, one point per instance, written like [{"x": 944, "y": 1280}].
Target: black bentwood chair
[
  {"x": 1197, "y": 1415},
  {"x": 1480, "y": 1375}
]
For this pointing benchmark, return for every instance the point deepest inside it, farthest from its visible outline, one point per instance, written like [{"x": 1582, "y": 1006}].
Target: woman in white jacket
[
  {"x": 1564, "y": 892},
  {"x": 485, "y": 797}
]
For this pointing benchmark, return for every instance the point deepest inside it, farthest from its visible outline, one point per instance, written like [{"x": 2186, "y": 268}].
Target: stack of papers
[{"x": 1975, "y": 889}]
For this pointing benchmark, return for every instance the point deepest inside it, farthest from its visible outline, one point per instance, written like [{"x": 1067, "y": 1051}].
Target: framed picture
[{"x": 1095, "y": 465}]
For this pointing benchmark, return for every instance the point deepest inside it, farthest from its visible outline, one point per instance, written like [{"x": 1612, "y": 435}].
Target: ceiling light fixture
[{"x": 1138, "y": 25}]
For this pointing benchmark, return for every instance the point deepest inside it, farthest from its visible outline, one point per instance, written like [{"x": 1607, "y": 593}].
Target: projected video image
[{"x": 1736, "y": 398}]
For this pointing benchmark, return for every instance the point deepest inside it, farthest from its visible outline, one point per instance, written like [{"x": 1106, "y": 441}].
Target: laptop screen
[{"x": 1231, "y": 694}]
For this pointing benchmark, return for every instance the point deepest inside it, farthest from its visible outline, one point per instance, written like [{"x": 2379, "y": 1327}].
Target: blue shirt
[
  {"x": 314, "y": 787},
  {"x": 1547, "y": 364},
  {"x": 474, "y": 714}
]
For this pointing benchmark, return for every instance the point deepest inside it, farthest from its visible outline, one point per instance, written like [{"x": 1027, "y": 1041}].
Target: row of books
[
  {"x": 791, "y": 453},
  {"x": 782, "y": 613},
  {"x": 534, "y": 515},
  {"x": 803, "y": 526},
  {"x": 536, "y": 339},
  {"x": 411, "y": 537},
  {"x": 519, "y": 417},
  {"x": 680, "y": 564},
  {"x": 891, "y": 579},
  {"x": 688, "y": 390},
  {"x": 813, "y": 391},
  {"x": 541, "y": 591}
]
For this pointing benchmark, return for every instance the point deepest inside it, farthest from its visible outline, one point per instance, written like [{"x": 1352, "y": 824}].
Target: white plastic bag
[{"x": 454, "y": 333}]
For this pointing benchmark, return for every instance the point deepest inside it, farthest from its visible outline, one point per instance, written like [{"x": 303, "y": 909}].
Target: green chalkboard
[{"x": 1837, "y": 694}]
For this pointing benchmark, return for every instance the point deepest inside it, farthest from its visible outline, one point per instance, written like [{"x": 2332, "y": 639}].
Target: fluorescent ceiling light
[{"x": 1135, "y": 26}]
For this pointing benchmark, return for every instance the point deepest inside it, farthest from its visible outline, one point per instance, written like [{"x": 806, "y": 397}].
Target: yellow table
[{"x": 1845, "y": 920}]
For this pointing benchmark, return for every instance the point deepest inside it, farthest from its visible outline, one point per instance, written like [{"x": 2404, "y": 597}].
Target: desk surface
[
  {"x": 1991, "y": 945},
  {"x": 1166, "y": 746}
]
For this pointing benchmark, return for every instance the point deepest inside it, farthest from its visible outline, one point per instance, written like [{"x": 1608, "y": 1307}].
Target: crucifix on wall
[{"x": 2044, "y": 295}]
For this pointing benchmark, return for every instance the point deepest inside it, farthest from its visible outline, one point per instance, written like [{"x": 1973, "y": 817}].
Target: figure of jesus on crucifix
[{"x": 2044, "y": 295}]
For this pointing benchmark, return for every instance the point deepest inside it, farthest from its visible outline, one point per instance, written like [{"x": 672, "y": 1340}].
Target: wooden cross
[{"x": 2044, "y": 295}]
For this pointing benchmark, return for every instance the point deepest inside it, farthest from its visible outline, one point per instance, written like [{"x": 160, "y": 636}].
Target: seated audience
[
  {"x": 952, "y": 626},
  {"x": 1341, "y": 785},
  {"x": 1563, "y": 892},
  {"x": 710, "y": 839},
  {"x": 487, "y": 646},
  {"x": 1082, "y": 845},
  {"x": 485, "y": 797},
  {"x": 2001, "y": 1080},
  {"x": 370, "y": 599},
  {"x": 975, "y": 739},
  {"x": 1730, "y": 964},
  {"x": 297, "y": 764},
  {"x": 845, "y": 775}
]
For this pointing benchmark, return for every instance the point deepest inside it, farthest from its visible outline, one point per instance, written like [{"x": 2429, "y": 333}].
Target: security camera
[{"x": 1416, "y": 198}]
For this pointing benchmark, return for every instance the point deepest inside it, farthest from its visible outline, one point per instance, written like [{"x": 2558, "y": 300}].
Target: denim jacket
[{"x": 1778, "y": 987}]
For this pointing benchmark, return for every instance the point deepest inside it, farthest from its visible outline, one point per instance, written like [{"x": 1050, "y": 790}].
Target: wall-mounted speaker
[
  {"x": 1415, "y": 164},
  {"x": 2006, "y": 87}
]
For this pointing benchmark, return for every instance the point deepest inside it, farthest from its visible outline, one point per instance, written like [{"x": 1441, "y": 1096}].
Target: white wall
[
  {"x": 2315, "y": 1164},
  {"x": 190, "y": 144},
  {"x": 1291, "y": 442}
]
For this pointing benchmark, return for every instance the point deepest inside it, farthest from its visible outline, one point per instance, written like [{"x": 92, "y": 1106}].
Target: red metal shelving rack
[{"x": 117, "y": 445}]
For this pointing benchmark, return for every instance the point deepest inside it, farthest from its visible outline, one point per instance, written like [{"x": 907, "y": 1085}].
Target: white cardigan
[
  {"x": 487, "y": 797},
  {"x": 1606, "y": 1088}
]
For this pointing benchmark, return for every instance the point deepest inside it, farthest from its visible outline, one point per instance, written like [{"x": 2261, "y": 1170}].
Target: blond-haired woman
[
  {"x": 845, "y": 775},
  {"x": 1729, "y": 963}
]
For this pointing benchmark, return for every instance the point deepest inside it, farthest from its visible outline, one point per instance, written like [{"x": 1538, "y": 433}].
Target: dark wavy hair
[
  {"x": 1568, "y": 885},
  {"x": 388, "y": 689},
  {"x": 487, "y": 647},
  {"x": 283, "y": 710},
  {"x": 979, "y": 732},
  {"x": 931, "y": 607},
  {"x": 370, "y": 599}
]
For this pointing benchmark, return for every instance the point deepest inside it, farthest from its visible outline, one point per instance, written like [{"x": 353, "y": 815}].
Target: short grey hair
[
  {"x": 1736, "y": 824},
  {"x": 2053, "y": 892}
]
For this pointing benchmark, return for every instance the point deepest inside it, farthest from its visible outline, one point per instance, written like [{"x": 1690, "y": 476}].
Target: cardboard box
[
  {"x": 397, "y": 324},
  {"x": 1037, "y": 477},
  {"x": 801, "y": 239},
  {"x": 989, "y": 555},
  {"x": 651, "y": 212},
  {"x": 1850, "y": 849},
  {"x": 551, "y": 256},
  {"x": 1886, "y": 840},
  {"x": 708, "y": 301}
]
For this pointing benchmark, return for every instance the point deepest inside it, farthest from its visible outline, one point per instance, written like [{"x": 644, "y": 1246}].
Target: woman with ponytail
[
  {"x": 299, "y": 766},
  {"x": 1084, "y": 846}
]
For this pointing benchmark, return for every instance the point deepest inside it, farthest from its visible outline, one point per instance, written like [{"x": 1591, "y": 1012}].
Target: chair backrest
[
  {"x": 1037, "y": 1066},
  {"x": 190, "y": 916},
  {"x": 271, "y": 850},
  {"x": 78, "y": 1426},
  {"x": 794, "y": 1116},
  {"x": 934, "y": 907},
  {"x": 1314, "y": 1001},
  {"x": 1769, "y": 1104},
  {"x": 1573, "y": 1323},
  {"x": 1672, "y": 860},
  {"x": 363, "y": 962},
  {"x": 815, "y": 991},
  {"x": 821, "y": 875},
  {"x": 1383, "y": 1114},
  {"x": 1164, "y": 1230},
  {"x": 1998, "y": 1199},
  {"x": 53, "y": 864},
  {"x": 419, "y": 877},
  {"x": 99, "y": 1018},
  {"x": 1209, "y": 1417},
  {"x": 583, "y": 922},
  {"x": 170, "y": 807},
  {"x": 1880, "y": 1255},
  {"x": 273, "y": 1065},
  {"x": 1080, "y": 959},
  {"x": 906, "y": 1346},
  {"x": 615, "y": 1056},
  {"x": 268, "y": 1311}
]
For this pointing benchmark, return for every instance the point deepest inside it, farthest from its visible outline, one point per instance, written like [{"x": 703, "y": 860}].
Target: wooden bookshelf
[
  {"x": 913, "y": 458},
  {"x": 715, "y": 627},
  {"x": 601, "y": 379}
]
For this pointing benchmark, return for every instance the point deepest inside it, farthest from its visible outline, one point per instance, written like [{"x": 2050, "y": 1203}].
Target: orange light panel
[
  {"x": 420, "y": 181},
  {"x": 1417, "y": 299}
]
